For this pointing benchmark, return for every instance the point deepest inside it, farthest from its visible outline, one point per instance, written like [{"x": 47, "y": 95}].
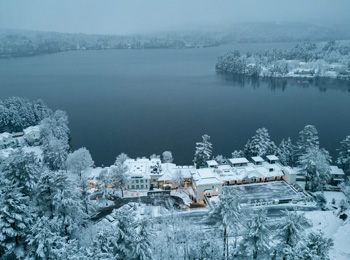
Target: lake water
[{"x": 147, "y": 101}]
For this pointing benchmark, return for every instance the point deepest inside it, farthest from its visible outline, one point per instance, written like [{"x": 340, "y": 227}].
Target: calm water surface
[{"x": 147, "y": 101}]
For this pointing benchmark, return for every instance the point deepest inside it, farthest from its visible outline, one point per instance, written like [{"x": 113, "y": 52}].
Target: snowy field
[{"x": 266, "y": 192}]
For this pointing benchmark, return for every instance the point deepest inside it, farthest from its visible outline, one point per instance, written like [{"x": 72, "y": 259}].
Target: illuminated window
[{"x": 217, "y": 189}]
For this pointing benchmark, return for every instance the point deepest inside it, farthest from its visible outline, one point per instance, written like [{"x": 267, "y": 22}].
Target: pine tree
[
  {"x": 15, "y": 219},
  {"x": 344, "y": 154},
  {"x": 315, "y": 163},
  {"x": 55, "y": 152},
  {"x": 142, "y": 244},
  {"x": 285, "y": 152},
  {"x": 315, "y": 246},
  {"x": 308, "y": 138},
  {"x": 45, "y": 240},
  {"x": 256, "y": 239},
  {"x": 227, "y": 212},
  {"x": 22, "y": 169},
  {"x": 290, "y": 231},
  {"x": 260, "y": 144},
  {"x": 59, "y": 198},
  {"x": 203, "y": 151}
]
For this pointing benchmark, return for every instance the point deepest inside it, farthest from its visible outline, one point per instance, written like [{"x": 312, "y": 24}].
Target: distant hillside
[{"x": 19, "y": 43}]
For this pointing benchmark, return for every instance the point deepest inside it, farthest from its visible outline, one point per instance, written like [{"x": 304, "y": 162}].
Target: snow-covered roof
[
  {"x": 212, "y": 163},
  {"x": 336, "y": 171},
  {"x": 206, "y": 176},
  {"x": 5, "y": 135},
  {"x": 170, "y": 169},
  {"x": 272, "y": 157},
  {"x": 31, "y": 129},
  {"x": 257, "y": 159},
  {"x": 238, "y": 160}
]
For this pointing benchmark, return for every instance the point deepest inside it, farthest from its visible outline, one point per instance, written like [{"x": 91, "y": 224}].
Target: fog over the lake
[{"x": 123, "y": 17}]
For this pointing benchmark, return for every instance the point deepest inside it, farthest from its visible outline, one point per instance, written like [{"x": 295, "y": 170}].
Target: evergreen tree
[
  {"x": 55, "y": 152},
  {"x": 203, "y": 151},
  {"x": 255, "y": 240},
  {"x": 227, "y": 212},
  {"x": 290, "y": 231},
  {"x": 22, "y": 169},
  {"x": 260, "y": 144},
  {"x": 344, "y": 154},
  {"x": 45, "y": 240},
  {"x": 308, "y": 138},
  {"x": 315, "y": 163},
  {"x": 15, "y": 219},
  {"x": 316, "y": 246},
  {"x": 59, "y": 198},
  {"x": 285, "y": 152},
  {"x": 142, "y": 244}
]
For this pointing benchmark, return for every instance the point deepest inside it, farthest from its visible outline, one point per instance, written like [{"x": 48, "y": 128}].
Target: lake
[{"x": 147, "y": 101}]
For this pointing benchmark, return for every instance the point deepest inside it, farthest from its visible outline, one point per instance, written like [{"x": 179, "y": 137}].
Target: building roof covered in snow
[
  {"x": 238, "y": 160},
  {"x": 257, "y": 159},
  {"x": 206, "y": 176},
  {"x": 272, "y": 157},
  {"x": 212, "y": 163},
  {"x": 335, "y": 170}
]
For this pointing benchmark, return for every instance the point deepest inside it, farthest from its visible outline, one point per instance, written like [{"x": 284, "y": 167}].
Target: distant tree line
[{"x": 322, "y": 60}]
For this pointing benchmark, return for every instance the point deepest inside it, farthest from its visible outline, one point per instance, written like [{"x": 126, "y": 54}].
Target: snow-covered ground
[{"x": 333, "y": 227}]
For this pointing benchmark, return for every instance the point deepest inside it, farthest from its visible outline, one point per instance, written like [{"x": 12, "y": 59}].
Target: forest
[
  {"x": 328, "y": 60},
  {"x": 47, "y": 207}
]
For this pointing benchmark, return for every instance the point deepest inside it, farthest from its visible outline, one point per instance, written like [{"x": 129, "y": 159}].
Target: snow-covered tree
[
  {"x": 315, "y": 246},
  {"x": 22, "y": 169},
  {"x": 227, "y": 212},
  {"x": 17, "y": 113},
  {"x": 55, "y": 126},
  {"x": 203, "y": 151},
  {"x": 58, "y": 197},
  {"x": 142, "y": 243},
  {"x": 315, "y": 163},
  {"x": 15, "y": 219},
  {"x": 178, "y": 179},
  {"x": 167, "y": 157},
  {"x": 290, "y": 232},
  {"x": 237, "y": 154},
  {"x": 285, "y": 152},
  {"x": 121, "y": 158},
  {"x": 104, "y": 185},
  {"x": 308, "y": 138},
  {"x": 78, "y": 161},
  {"x": 220, "y": 159},
  {"x": 45, "y": 240},
  {"x": 255, "y": 241},
  {"x": 260, "y": 144},
  {"x": 344, "y": 154},
  {"x": 119, "y": 173},
  {"x": 55, "y": 152}
]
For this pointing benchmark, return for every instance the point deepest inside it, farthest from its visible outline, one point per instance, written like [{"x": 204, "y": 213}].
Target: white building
[
  {"x": 206, "y": 182},
  {"x": 32, "y": 135},
  {"x": 5, "y": 140}
]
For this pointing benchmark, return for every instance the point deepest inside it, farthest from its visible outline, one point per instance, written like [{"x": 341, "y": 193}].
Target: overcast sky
[{"x": 137, "y": 16}]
